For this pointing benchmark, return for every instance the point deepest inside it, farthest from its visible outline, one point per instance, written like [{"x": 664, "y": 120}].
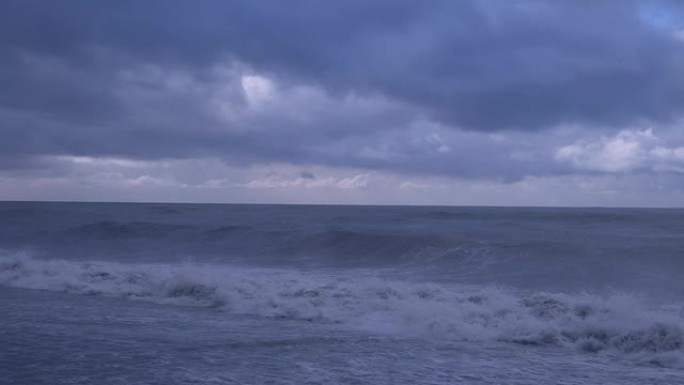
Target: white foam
[{"x": 590, "y": 323}]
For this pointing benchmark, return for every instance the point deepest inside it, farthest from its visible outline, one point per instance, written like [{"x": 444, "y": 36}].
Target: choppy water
[{"x": 255, "y": 294}]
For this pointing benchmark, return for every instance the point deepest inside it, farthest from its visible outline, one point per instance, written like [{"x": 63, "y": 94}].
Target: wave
[
  {"x": 362, "y": 300},
  {"x": 583, "y": 215},
  {"x": 110, "y": 230},
  {"x": 348, "y": 243},
  {"x": 249, "y": 240},
  {"x": 226, "y": 231}
]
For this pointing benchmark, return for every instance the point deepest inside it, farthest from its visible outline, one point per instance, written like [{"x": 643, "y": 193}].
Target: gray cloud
[{"x": 409, "y": 86}]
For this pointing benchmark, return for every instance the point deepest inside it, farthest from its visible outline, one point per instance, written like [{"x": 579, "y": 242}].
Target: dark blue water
[{"x": 157, "y": 293}]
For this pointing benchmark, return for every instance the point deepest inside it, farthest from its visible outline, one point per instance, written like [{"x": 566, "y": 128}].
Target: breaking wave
[{"x": 620, "y": 322}]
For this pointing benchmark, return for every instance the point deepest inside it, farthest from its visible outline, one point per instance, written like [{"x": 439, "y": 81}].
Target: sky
[{"x": 438, "y": 102}]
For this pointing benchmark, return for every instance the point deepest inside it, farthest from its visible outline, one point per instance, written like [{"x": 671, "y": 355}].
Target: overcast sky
[{"x": 510, "y": 102}]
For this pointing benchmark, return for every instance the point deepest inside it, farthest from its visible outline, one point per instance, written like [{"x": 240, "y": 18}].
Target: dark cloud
[
  {"x": 474, "y": 64},
  {"x": 307, "y": 175},
  {"x": 479, "y": 66}
]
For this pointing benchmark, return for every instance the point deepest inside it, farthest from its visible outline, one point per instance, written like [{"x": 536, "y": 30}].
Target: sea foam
[{"x": 362, "y": 300}]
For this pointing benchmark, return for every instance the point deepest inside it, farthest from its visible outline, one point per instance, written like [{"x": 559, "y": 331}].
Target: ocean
[{"x": 121, "y": 293}]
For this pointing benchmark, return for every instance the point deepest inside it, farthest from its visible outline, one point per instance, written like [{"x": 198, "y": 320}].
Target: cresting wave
[{"x": 620, "y": 322}]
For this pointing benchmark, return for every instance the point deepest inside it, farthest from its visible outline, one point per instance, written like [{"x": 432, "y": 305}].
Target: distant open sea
[{"x": 119, "y": 293}]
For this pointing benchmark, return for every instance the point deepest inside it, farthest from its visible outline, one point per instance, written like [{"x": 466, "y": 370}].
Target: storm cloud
[{"x": 481, "y": 90}]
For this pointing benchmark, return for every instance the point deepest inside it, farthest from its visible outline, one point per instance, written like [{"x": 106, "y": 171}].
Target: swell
[
  {"x": 326, "y": 238},
  {"x": 362, "y": 300},
  {"x": 111, "y": 230},
  {"x": 249, "y": 240},
  {"x": 358, "y": 243}
]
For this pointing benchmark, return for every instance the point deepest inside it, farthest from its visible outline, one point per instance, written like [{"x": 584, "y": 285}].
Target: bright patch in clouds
[
  {"x": 628, "y": 150},
  {"x": 258, "y": 89}
]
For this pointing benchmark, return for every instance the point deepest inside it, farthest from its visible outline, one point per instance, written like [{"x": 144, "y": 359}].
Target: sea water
[{"x": 95, "y": 293}]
